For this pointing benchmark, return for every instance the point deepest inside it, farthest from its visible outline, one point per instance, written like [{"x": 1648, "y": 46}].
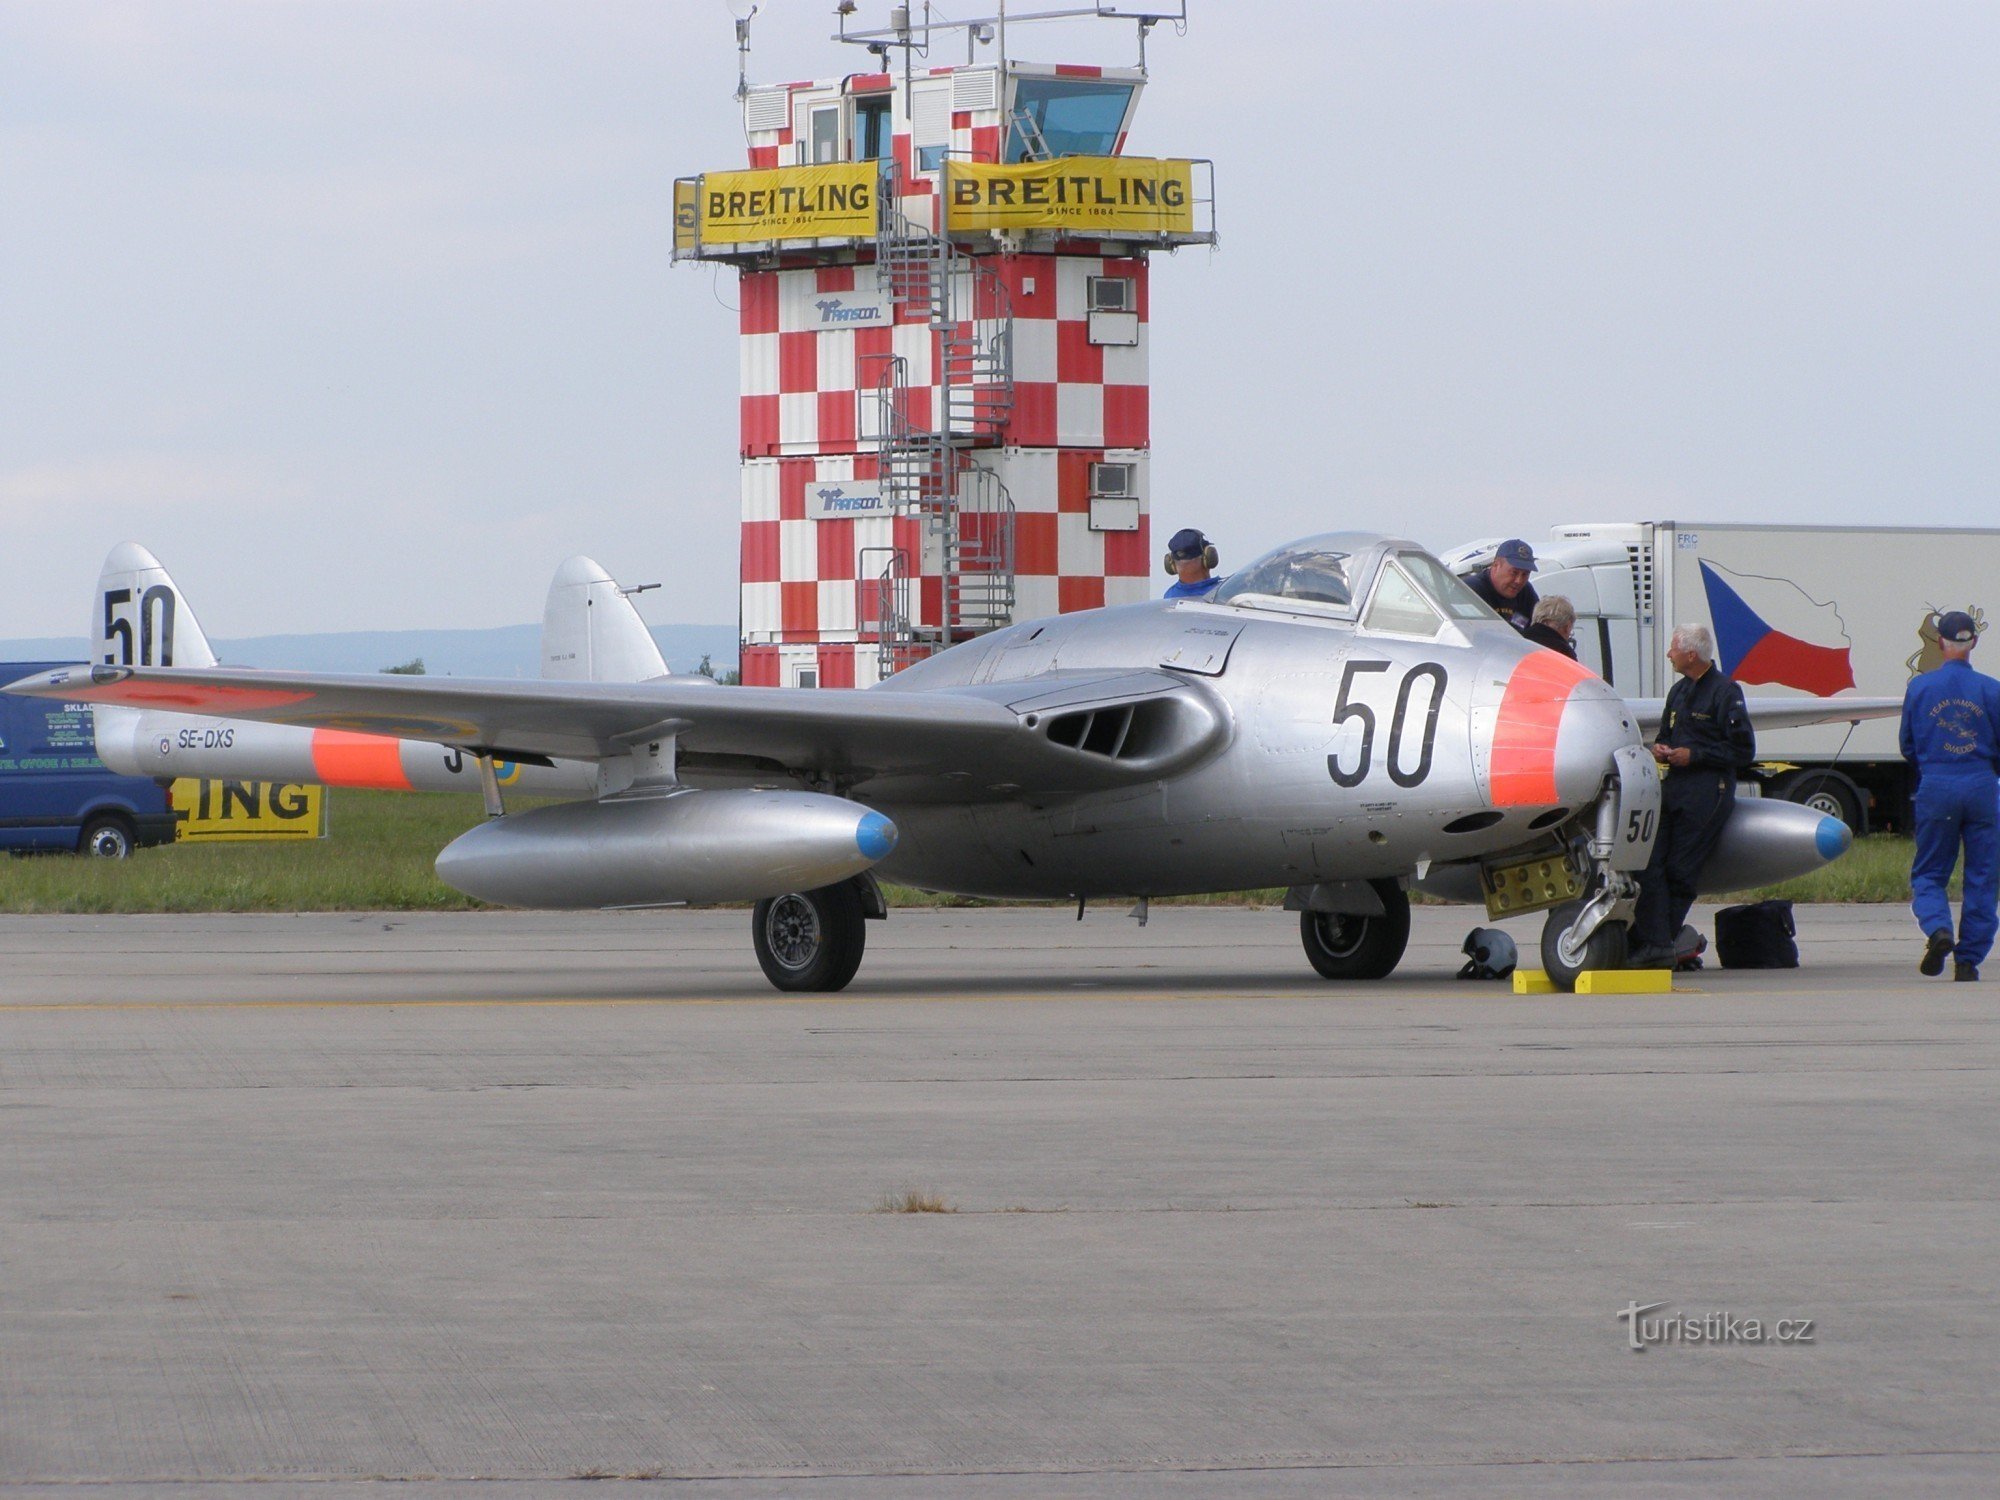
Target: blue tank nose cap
[
  {"x": 875, "y": 836},
  {"x": 1832, "y": 838}
]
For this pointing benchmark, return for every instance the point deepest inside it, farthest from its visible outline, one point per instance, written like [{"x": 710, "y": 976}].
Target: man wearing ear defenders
[{"x": 1191, "y": 558}]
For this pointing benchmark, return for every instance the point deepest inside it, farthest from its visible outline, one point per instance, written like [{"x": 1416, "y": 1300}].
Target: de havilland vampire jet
[{"x": 1343, "y": 718}]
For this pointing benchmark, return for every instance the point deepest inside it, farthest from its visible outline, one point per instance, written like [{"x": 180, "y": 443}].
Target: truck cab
[{"x": 56, "y": 795}]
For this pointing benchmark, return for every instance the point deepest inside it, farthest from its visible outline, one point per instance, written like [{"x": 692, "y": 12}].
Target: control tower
[{"x": 944, "y": 309}]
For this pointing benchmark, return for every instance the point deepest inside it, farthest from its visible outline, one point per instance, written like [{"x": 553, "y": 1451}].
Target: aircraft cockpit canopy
[
  {"x": 1314, "y": 572},
  {"x": 1406, "y": 591}
]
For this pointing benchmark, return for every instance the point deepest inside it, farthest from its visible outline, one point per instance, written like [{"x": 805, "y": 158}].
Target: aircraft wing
[
  {"x": 1056, "y": 733},
  {"x": 1783, "y": 713}
]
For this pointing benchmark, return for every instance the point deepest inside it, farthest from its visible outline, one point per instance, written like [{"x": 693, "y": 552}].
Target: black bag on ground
[{"x": 1758, "y": 935}]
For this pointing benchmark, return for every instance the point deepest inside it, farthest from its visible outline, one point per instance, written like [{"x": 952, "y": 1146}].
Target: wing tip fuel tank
[{"x": 688, "y": 847}]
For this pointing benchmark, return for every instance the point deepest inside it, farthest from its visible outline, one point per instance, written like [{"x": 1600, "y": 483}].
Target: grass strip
[{"x": 381, "y": 845}]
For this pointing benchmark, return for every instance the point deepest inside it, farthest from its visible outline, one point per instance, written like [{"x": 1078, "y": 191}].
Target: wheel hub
[
  {"x": 1341, "y": 933},
  {"x": 793, "y": 930}
]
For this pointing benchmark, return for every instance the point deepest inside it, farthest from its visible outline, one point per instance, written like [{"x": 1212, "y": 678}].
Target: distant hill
[{"x": 505, "y": 651}]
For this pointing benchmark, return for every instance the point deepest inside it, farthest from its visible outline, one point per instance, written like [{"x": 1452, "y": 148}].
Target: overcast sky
[{"x": 360, "y": 315}]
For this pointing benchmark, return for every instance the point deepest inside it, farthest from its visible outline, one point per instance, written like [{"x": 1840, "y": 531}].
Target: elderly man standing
[
  {"x": 1951, "y": 735},
  {"x": 1705, "y": 741}
]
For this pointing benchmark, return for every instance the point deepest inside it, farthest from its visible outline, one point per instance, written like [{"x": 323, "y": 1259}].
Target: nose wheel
[
  {"x": 1347, "y": 945},
  {"x": 1566, "y": 955}
]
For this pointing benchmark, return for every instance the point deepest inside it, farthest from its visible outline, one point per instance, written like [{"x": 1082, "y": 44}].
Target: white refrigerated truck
[{"x": 1808, "y": 610}]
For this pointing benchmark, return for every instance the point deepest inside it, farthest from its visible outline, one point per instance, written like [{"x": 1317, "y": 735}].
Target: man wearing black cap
[
  {"x": 1951, "y": 736},
  {"x": 1191, "y": 558},
  {"x": 1504, "y": 584}
]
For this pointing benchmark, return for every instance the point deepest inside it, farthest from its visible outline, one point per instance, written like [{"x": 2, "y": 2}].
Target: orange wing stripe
[
  {"x": 1524, "y": 736},
  {"x": 210, "y": 699},
  {"x": 344, "y": 758}
]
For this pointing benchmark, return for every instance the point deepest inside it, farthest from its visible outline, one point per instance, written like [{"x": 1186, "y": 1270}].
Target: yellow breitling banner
[
  {"x": 1103, "y": 194},
  {"x": 247, "y": 811},
  {"x": 788, "y": 203},
  {"x": 687, "y": 212}
]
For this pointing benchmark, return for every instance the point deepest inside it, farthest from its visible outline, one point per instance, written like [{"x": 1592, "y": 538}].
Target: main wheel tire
[
  {"x": 810, "y": 940},
  {"x": 1562, "y": 961},
  {"x": 1826, "y": 792},
  {"x": 106, "y": 838},
  {"x": 1344, "y": 946}
]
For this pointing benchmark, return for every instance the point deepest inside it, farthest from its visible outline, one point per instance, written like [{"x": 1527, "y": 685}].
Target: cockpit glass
[
  {"x": 1437, "y": 580},
  {"x": 1400, "y": 608},
  {"x": 1310, "y": 575}
]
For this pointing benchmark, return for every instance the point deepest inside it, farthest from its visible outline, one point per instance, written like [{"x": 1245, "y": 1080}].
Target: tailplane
[{"x": 138, "y": 617}]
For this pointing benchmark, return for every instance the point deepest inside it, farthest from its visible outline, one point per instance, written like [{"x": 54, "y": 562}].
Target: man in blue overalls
[
  {"x": 1192, "y": 559},
  {"x": 1951, "y": 735}
]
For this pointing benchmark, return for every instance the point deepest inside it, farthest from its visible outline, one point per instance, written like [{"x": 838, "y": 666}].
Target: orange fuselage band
[
  {"x": 344, "y": 758},
  {"x": 1524, "y": 736}
]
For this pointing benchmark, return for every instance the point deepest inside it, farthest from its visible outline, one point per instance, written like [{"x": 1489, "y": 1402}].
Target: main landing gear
[
  {"x": 1347, "y": 945},
  {"x": 813, "y": 940}
]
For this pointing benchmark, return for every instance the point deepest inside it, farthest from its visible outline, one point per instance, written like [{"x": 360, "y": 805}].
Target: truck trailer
[{"x": 1808, "y": 610}]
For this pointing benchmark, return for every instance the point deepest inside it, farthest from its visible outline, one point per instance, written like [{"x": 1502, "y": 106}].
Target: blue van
[{"x": 54, "y": 791}]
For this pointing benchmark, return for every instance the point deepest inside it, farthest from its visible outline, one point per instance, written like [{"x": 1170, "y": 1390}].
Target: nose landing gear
[{"x": 1592, "y": 933}]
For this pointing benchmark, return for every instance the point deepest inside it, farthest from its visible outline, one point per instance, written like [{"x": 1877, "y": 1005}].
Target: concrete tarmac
[{"x": 320, "y": 1202}]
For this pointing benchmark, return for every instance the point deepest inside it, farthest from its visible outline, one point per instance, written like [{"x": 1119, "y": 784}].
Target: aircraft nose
[
  {"x": 1552, "y": 728},
  {"x": 1595, "y": 723}
]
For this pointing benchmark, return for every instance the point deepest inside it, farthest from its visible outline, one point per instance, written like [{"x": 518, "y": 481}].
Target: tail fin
[
  {"x": 591, "y": 632},
  {"x": 139, "y": 617}
]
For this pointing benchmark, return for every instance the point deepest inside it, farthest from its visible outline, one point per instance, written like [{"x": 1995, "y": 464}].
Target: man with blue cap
[
  {"x": 1951, "y": 736},
  {"x": 1191, "y": 558},
  {"x": 1504, "y": 585}
]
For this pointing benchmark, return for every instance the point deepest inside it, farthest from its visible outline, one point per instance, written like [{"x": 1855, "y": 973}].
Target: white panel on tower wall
[
  {"x": 760, "y": 490},
  {"x": 1030, "y": 477},
  {"x": 798, "y": 551},
  {"x": 1034, "y": 348},
  {"x": 1073, "y": 277},
  {"x": 763, "y": 611},
  {"x": 1035, "y": 598},
  {"x": 835, "y": 351},
  {"x": 767, "y": 109},
  {"x": 836, "y": 605},
  {"x": 1120, "y": 328},
  {"x": 796, "y": 290},
  {"x": 757, "y": 361},
  {"x": 1126, "y": 365},
  {"x": 1079, "y": 414},
  {"x": 798, "y": 422},
  {"x": 930, "y": 115},
  {"x": 975, "y": 88},
  {"x": 1079, "y": 550}
]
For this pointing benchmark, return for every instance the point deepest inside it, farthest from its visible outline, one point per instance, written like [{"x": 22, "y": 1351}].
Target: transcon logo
[
  {"x": 834, "y": 498},
  {"x": 833, "y": 310}
]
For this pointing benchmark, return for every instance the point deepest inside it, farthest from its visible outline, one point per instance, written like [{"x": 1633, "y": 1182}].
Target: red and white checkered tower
[{"x": 944, "y": 309}]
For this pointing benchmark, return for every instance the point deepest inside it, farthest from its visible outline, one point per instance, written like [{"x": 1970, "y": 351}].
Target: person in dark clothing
[
  {"x": 1192, "y": 559},
  {"x": 1554, "y": 625},
  {"x": 1504, "y": 584},
  {"x": 1705, "y": 741}
]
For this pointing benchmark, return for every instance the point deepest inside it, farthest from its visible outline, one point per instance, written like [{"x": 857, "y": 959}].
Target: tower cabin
[{"x": 944, "y": 312}]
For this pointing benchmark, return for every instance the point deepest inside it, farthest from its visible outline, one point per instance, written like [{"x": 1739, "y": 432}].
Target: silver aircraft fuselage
[{"x": 1340, "y": 751}]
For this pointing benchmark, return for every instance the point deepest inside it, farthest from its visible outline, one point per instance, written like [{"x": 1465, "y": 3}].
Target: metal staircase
[{"x": 927, "y": 437}]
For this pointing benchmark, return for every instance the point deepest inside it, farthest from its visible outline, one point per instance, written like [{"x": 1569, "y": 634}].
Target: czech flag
[{"x": 1749, "y": 649}]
